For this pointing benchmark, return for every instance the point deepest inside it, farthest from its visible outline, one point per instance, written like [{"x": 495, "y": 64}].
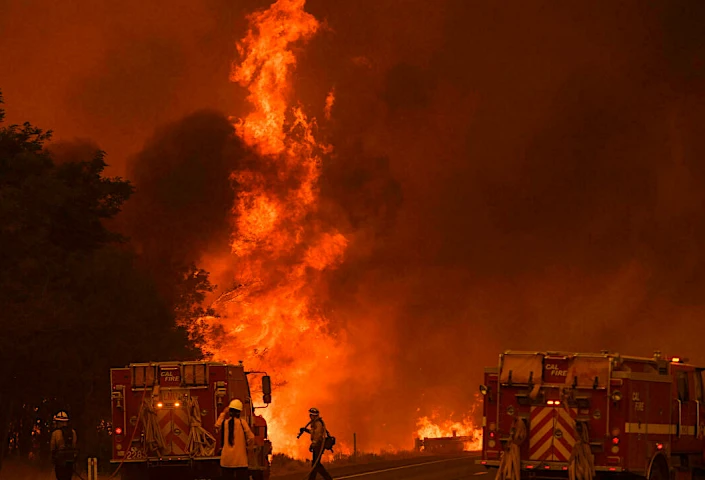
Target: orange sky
[{"x": 527, "y": 177}]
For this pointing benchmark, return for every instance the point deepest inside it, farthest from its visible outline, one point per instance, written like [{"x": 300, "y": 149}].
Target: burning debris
[{"x": 444, "y": 436}]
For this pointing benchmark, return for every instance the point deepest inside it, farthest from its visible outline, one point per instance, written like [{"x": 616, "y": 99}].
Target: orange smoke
[{"x": 272, "y": 319}]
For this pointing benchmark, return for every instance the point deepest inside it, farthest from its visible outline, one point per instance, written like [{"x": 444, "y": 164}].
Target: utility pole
[{"x": 355, "y": 447}]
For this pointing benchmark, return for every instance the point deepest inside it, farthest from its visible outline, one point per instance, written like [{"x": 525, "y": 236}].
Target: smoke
[
  {"x": 508, "y": 178},
  {"x": 181, "y": 210},
  {"x": 547, "y": 158}
]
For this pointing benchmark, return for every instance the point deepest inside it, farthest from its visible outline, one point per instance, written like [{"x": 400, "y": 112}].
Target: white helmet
[
  {"x": 61, "y": 417},
  {"x": 236, "y": 405}
]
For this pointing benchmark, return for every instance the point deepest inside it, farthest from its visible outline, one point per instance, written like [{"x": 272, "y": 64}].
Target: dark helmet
[{"x": 313, "y": 411}]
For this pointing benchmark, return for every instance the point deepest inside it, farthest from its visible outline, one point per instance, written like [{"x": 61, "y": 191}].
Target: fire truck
[
  {"x": 640, "y": 416},
  {"x": 164, "y": 417}
]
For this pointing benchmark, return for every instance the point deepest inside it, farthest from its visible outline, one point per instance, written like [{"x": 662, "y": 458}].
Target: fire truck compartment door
[
  {"x": 586, "y": 370},
  {"x": 174, "y": 422},
  {"x": 521, "y": 367},
  {"x": 551, "y": 433}
]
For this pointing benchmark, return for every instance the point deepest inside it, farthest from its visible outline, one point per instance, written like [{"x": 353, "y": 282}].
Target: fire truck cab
[
  {"x": 164, "y": 416},
  {"x": 640, "y": 416}
]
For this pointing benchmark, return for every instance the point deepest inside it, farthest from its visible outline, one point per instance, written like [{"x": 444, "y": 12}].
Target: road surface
[{"x": 450, "y": 467}]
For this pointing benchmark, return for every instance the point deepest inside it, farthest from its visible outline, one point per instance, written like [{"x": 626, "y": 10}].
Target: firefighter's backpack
[
  {"x": 66, "y": 454},
  {"x": 329, "y": 441}
]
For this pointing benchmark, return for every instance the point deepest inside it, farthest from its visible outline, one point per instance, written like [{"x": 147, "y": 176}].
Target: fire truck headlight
[
  {"x": 160, "y": 405},
  {"x": 484, "y": 389},
  {"x": 616, "y": 396}
]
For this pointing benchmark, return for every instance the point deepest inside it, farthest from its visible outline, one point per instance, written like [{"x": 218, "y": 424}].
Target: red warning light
[{"x": 118, "y": 431}]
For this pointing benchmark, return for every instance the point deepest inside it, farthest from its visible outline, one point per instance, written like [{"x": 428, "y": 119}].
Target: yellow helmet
[
  {"x": 236, "y": 405},
  {"x": 61, "y": 416}
]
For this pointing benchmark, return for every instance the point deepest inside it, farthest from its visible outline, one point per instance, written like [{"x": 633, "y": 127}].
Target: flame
[
  {"x": 267, "y": 61},
  {"x": 434, "y": 428},
  {"x": 272, "y": 319},
  {"x": 330, "y": 100}
]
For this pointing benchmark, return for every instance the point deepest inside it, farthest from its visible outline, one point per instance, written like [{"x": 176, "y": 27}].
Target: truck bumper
[{"x": 546, "y": 466}]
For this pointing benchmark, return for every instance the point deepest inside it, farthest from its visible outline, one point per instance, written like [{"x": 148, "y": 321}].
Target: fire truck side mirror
[{"x": 267, "y": 389}]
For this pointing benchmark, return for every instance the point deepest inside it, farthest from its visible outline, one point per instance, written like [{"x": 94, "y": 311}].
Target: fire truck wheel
[
  {"x": 134, "y": 472},
  {"x": 257, "y": 475},
  {"x": 659, "y": 470}
]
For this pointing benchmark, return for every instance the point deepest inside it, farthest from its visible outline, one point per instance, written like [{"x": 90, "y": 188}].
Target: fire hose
[
  {"x": 134, "y": 431},
  {"x": 581, "y": 465},
  {"x": 152, "y": 433},
  {"x": 510, "y": 463},
  {"x": 200, "y": 442},
  {"x": 320, "y": 452}
]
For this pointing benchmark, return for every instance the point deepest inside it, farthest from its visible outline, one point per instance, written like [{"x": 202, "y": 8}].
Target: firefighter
[
  {"x": 63, "y": 447},
  {"x": 236, "y": 437},
  {"x": 318, "y": 433}
]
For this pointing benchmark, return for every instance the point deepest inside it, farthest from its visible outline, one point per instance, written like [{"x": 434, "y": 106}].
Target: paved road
[{"x": 458, "y": 467}]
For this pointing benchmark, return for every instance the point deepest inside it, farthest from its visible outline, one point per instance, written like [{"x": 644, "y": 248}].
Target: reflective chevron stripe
[
  {"x": 164, "y": 418},
  {"x": 552, "y": 433},
  {"x": 179, "y": 440},
  {"x": 564, "y": 434}
]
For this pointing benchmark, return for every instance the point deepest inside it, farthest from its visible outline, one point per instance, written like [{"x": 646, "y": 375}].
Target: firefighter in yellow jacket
[
  {"x": 236, "y": 437},
  {"x": 63, "y": 447}
]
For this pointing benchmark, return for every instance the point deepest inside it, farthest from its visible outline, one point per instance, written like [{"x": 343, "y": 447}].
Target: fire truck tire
[
  {"x": 134, "y": 472},
  {"x": 257, "y": 475},
  {"x": 659, "y": 469}
]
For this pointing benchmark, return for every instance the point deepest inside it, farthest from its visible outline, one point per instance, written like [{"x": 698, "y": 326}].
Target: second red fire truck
[
  {"x": 634, "y": 416},
  {"x": 164, "y": 415}
]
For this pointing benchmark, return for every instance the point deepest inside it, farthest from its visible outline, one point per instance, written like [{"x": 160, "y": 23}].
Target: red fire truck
[
  {"x": 640, "y": 416},
  {"x": 164, "y": 417}
]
